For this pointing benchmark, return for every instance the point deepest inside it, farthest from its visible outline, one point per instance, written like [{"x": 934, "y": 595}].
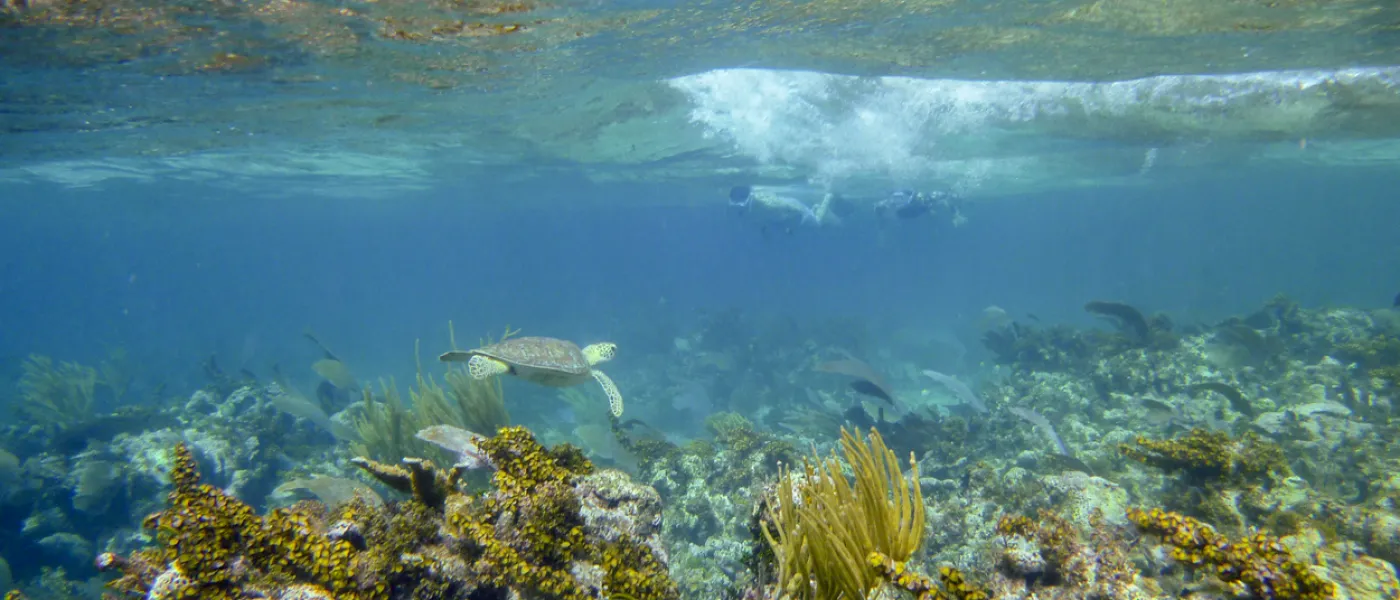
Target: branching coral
[
  {"x": 1051, "y": 551},
  {"x": 1055, "y": 538},
  {"x": 472, "y": 404},
  {"x": 1212, "y": 470},
  {"x": 386, "y": 426},
  {"x": 1057, "y": 348},
  {"x": 1371, "y": 352},
  {"x": 749, "y": 451},
  {"x": 1214, "y": 456},
  {"x": 530, "y": 528},
  {"x": 529, "y": 531},
  {"x": 825, "y": 527},
  {"x": 529, "y": 534},
  {"x": 65, "y": 394},
  {"x": 1378, "y": 355},
  {"x": 214, "y": 544},
  {"x": 59, "y": 394},
  {"x": 1259, "y": 564},
  {"x": 417, "y": 477}
]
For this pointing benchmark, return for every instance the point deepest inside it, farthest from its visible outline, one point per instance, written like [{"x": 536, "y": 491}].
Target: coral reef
[
  {"x": 1247, "y": 430},
  {"x": 1259, "y": 564},
  {"x": 385, "y": 426},
  {"x": 711, "y": 492},
  {"x": 549, "y": 528},
  {"x": 900, "y": 576},
  {"x": 835, "y": 538},
  {"x": 1204, "y": 456},
  {"x": 64, "y": 502},
  {"x": 57, "y": 396},
  {"x": 1052, "y": 556},
  {"x": 1276, "y": 428}
]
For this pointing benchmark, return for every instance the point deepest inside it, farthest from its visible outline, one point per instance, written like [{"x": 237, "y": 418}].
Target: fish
[
  {"x": 868, "y": 381},
  {"x": 1157, "y": 408},
  {"x": 1231, "y": 393},
  {"x": 693, "y": 398},
  {"x": 965, "y": 395},
  {"x": 465, "y": 444},
  {"x": 334, "y": 492},
  {"x": 336, "y": 372},
  {"x": 287, "y": 399},
  {"x": 325, "y": 352},
  {"x": 1062, "y": 458},
  {"x": 868, "y": 388}
]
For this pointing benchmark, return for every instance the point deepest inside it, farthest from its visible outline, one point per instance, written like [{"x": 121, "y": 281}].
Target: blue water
[
  {"x": 188, "y": 185},
  {"x": 174, "y": 273}
]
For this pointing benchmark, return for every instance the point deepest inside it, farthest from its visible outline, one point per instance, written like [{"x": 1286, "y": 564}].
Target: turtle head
[{"x": 600, "y": 352}]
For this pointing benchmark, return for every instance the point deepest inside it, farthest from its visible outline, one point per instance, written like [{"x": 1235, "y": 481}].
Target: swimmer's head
[{"x": 740, "y": 196}]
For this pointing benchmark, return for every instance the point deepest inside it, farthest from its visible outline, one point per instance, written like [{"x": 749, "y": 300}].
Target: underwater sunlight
[{"x": 698, "y": 300}]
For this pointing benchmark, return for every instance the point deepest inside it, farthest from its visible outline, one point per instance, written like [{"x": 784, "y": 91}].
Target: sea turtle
[{"x": 543, "y": 360}]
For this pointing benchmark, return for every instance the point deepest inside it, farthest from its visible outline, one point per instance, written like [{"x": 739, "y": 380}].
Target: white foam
[
  {"x": 904, "y": 131},
  {"x": 856, "y": 135}
]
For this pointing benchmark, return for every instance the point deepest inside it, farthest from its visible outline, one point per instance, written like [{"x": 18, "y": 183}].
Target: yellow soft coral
[
  {"x": 1259, "y": 563},
  {"x": 825, "y": 526},
  {"x": 205, "y": 532}
]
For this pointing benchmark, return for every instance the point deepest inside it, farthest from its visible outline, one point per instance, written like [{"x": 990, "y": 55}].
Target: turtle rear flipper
[
  {"x": 456, "y": 356},
  {"x": 609, "y": 388}
]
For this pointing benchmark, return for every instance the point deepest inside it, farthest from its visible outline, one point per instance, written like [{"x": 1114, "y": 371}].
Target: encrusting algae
[
  {"x": 1259, "y": 563},
  {"x": 525, "y": 536},
  {"x": 1213, "y": 456}
]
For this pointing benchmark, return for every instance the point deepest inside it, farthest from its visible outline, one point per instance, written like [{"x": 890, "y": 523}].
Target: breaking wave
[{"x": 835, "y": 127}]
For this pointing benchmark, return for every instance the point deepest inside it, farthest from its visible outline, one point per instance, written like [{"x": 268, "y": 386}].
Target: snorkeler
[
  {"x": 909, "y": 204},
  {"x": 777, "y": 211}
]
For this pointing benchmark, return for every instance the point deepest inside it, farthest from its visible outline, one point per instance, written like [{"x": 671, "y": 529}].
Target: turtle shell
[{"x": 543, "y": 353}]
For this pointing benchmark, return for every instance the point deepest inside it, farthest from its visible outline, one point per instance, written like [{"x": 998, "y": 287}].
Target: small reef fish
[
  {"x": 463, "y": 443},
  {"x": 967, "y": 399}
]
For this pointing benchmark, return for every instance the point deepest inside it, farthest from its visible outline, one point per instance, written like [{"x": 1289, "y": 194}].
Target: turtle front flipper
[
  {"x": 609, "y": 388},
  {"x": 484, "y": 367},
  {"x": 599, "y": 352}
]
